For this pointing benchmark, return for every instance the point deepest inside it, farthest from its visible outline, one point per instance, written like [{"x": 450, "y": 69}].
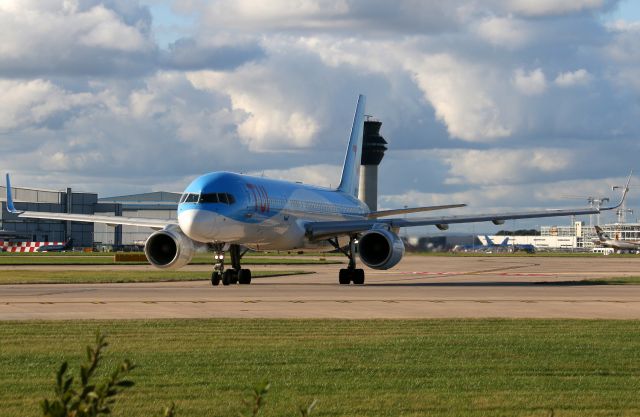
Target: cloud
[
  {"x": 540, "y": 8},
  {"x": 481, "y": 102},
  {"x": 73, "y": 37},
  {"x": 503, "y": 166},
  {"x": 458, "y": 92},
  {"x": 35, "y": 103},
  {"x": 531, "y": 83},
  {"x": 322, "y": 175},
  {"x": 575, "y": 78},
  {"x": 191, "y": 54},
  {"x": 507, "y": 31}
]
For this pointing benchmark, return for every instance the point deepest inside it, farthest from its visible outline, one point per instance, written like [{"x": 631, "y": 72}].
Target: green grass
[
  {"x": 96, "y": 277},
  {"x": 354, "y": 368},
  {"x": 598, "y": 281},
  {"x": 527, "y": 255}
]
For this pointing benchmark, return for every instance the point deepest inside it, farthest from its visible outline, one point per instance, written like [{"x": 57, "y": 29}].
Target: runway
[{"x": 420, "y": 287}]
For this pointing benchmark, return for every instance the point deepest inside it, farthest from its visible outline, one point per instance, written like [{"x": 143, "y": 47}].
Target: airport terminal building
[{"x": 149, "y": 205}]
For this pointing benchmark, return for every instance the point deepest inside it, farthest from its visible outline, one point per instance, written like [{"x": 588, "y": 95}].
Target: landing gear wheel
[
  {"x": 344, "y": 278},
  {"x": 215, "y": 278},
  {"x": 228, "y": 277},
  {"x": 234, "y": 276},
  {"x": 358, "y": 276},
  {"x": 244, "y": 276}
]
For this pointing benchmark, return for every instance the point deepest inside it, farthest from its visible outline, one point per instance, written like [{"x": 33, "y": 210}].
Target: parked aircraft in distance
[
  {"x": 240, "y": 212},
  {"x": 491, "y": 246},
  {"x": 616, "y": 244}
]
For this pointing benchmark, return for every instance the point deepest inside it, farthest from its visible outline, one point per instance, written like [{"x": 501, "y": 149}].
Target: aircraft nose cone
[{"x": 197, "y": 224}]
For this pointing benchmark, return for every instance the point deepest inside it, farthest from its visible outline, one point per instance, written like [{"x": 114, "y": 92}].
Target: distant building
[
  {"x": 149, "y": 205},
  {"x": 574, "y": 237}
]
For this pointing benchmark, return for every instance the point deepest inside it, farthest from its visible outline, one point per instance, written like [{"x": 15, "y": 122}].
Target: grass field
[
  {"x": 353, "y": 368},
  {"x": 97, "y": 277},
  {"x": 599, "y": 281}
]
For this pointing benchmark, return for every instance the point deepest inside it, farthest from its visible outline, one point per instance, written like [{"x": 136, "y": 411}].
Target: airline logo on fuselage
[{"x": 260, "y": 197}]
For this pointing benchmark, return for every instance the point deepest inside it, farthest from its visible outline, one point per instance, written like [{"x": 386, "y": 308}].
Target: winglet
[
  {"x": 10, "y": 207},
  {"x": 625, "y": 191}
]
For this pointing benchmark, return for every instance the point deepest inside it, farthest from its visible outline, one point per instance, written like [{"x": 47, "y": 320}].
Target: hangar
[{"x": 150, "y": 205}]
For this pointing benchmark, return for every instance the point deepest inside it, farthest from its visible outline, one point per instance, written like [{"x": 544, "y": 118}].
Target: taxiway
[{"x": 420, "y": 287}]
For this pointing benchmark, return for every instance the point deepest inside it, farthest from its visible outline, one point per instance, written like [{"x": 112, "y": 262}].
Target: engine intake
[
  {"x": 380, "y": 249},
  {"x": 169, "y": 248}
]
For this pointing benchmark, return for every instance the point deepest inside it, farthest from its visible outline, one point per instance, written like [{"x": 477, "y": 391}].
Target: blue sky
[
  {"x": 500, "y": 104},
  {"x": 629, "y": 10}
]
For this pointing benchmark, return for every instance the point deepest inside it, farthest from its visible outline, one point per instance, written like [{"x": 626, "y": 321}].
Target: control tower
[{"x": 373, "y": 149}]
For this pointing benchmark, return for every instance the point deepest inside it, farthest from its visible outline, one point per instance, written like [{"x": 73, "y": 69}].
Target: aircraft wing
[
  {"x": 324, "y": 230},
  {"x": 396, "y": 212},
  {"x": 90, "y": 218}
]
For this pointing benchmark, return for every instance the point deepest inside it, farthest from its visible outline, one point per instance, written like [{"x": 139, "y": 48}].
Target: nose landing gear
[{"x": 234, "y": 275}]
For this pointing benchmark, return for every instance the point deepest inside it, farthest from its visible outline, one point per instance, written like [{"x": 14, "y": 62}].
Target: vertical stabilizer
[{"x": 351, "y": 171}]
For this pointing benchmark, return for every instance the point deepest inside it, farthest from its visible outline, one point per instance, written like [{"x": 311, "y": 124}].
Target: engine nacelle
[
  {"x": 169, "y": 248},
  {"x": 380, "y": 249}
]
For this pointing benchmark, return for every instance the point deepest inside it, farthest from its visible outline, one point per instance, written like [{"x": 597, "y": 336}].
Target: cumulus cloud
[
  {"x": 481, "y": 102},
  {"x": 458, "y": 92},
  {"x": 34, "y": 103},
  {"x": 531, "y": 83},
  {"x": 74, "y": 37}
]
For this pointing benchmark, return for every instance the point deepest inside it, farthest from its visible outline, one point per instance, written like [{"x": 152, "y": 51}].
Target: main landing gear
[
  {"x": 351, "y": 273},
  {"x": 235, "y": 275}
]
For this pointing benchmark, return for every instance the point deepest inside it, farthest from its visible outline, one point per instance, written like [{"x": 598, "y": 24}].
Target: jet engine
[
  {"x": 380, "y": 249},
  {"x": 169, "y": 248}
]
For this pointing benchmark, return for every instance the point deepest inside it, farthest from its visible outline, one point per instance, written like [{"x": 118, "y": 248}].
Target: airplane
[
  {"x": 59, "y": 247},
  {"x": 482, "y": 247},
  {"x": 618, "y": 245},
  {"x": 491, "y": 244},
  {"x": 234, "y": 212}
]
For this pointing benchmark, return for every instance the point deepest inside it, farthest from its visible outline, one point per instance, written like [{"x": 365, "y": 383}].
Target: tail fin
[
  {"x": 10, "y": 207},
  {"x": 489, "y": 241},
  {"x": 505, "y": 242},
  {"x": 600, "y": 233},
  {"x": 351, "y": 170}
]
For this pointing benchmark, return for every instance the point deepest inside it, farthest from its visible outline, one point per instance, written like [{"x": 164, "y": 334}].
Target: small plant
[{"x": 89, "y": 399}]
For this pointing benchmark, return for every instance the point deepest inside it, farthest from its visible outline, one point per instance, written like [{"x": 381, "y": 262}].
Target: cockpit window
[
  {"x": 209, "y": 198},
  {"x": 224, "y": 198},
  {"x": 189, "y": 198}
]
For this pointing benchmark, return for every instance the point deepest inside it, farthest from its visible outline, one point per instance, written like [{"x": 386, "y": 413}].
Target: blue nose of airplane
[{"x": 199, "y": 225}]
